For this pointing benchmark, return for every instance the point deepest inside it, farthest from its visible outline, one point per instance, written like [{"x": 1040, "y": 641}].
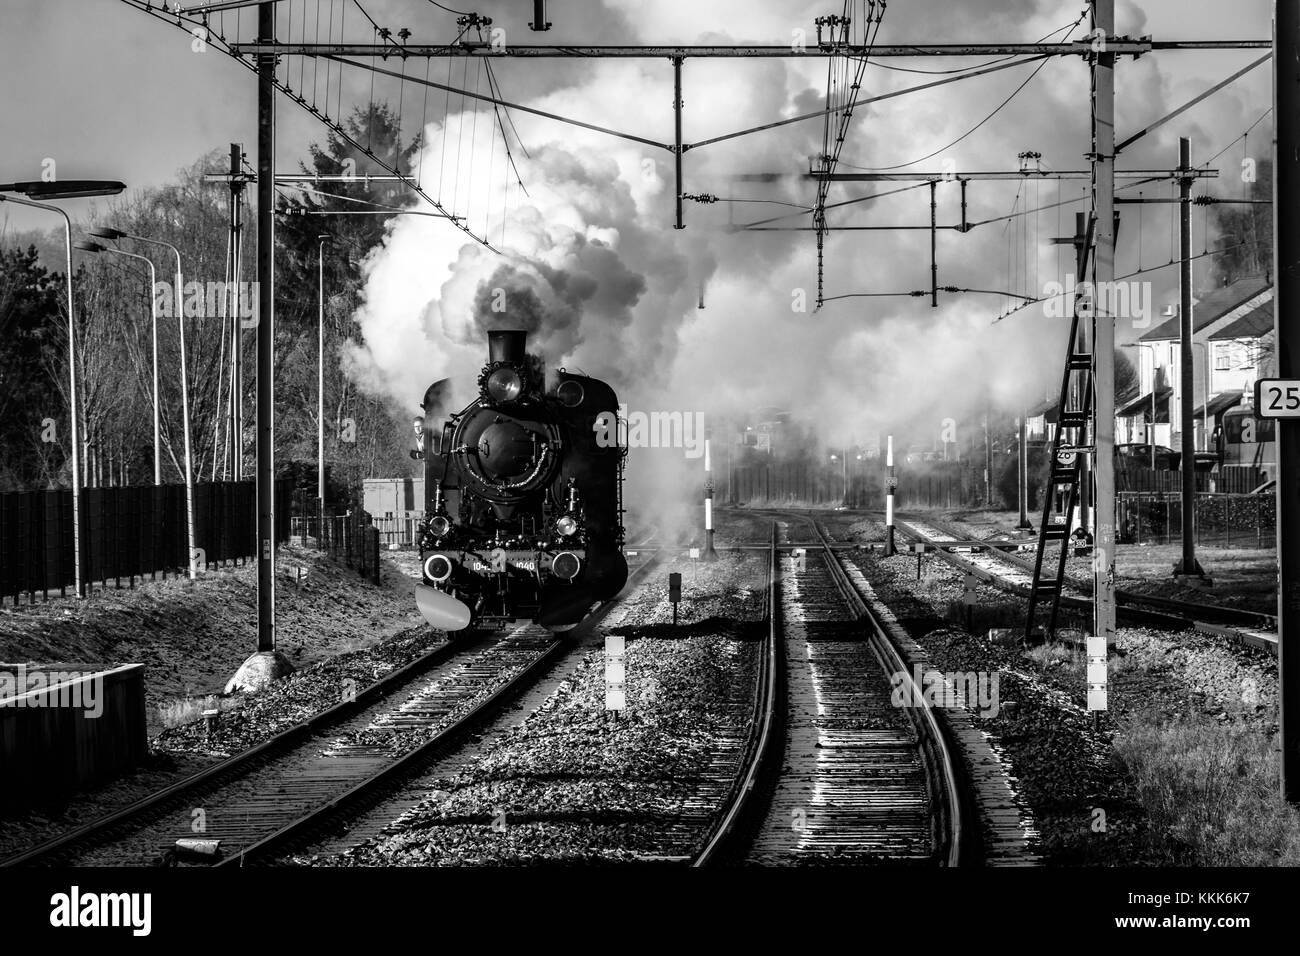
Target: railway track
[
  {"x": 851, "y": 778},
  {"x": 1015, "y": 573},
  {"x": 260, "y": 802},
  {"x": 690, "y": 829}
]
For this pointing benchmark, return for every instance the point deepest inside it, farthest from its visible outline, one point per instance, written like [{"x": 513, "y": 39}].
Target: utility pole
[
  {"x": 1103, "y": 187},
  {"x": 266, "y": 334},
  {"x": 320, "y": 378},
  {"x": 236, "y": 179},
  {"x": 1286, "y": 268},
  {"x": 237, "y": 185},
  {"x": 1188, "y": 565},
  {"x": 677, "y": 143},
  {"x": 988, "y": 455},
  {"x": 1023, "y": 453}
]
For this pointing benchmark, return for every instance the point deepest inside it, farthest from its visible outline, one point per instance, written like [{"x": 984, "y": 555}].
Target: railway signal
[{"x": 674, "y": 592}]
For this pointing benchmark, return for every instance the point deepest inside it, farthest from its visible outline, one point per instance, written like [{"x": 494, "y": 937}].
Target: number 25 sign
[{"x": 1277, "y": 398}]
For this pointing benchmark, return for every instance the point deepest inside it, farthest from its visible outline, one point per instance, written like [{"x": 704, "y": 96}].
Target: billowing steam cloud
[
  {"x": 591, "y": 265},
  {"x": 595, "y": 286}
]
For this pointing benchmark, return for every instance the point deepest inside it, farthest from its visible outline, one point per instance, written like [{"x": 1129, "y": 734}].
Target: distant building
[
  {"x": 764, "y": 433},
  {"x": 1232, "y": 329}
]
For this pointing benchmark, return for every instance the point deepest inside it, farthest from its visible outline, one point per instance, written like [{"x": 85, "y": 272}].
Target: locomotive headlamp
[
  {"x": 439, "y": 525},
  {"x": 438, "y": 567},
  {"x": 566, "y": 565},
  {"x": 567, "y": 525},
  {"x": 504, "y": 385}
]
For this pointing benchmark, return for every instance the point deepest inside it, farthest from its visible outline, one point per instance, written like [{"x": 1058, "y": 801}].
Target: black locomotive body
[{"x": 523, "y": 497}]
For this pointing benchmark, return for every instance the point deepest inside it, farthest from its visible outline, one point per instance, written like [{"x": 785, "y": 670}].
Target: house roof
[
  {"x": 1047, "y": 408},
  {"x": 1142, "y": 404},
  {"x": 1219, "y": 403},
  {"x": 1211, "y": 307},
  {"x": 1255, "y": 324}
]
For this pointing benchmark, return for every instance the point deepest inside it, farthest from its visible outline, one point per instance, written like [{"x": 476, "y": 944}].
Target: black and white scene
[{"x": 586, "y": 443}]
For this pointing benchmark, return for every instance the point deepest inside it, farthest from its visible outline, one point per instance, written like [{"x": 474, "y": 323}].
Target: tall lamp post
[
  {"x": 109, "y": 233},
  {"x": 87, "y": 246},
  {"x": 68, "y": 189},
  {"x": 320, "y": 377}
]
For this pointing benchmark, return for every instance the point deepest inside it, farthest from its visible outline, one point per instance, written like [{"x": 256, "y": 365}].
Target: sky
[{"x": 109, "y": 92}]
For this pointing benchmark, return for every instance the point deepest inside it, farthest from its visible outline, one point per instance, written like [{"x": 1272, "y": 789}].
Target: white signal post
[
  {"x": 709, "y": 553},
  {"x": 891, "y": 482}
]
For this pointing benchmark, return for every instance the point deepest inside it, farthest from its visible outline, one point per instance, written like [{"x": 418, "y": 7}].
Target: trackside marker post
[
  {"x": 615, "y": 674},
  {"x": 1097, "y": 679}
]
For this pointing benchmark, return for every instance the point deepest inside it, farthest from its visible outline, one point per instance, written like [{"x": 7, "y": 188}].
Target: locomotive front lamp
[
  {"x": 567, "y": 525},
  {"x": 504, "y": 385},
  {"x": 438, "y": 567},
  {"x": 439, "y": 525}
]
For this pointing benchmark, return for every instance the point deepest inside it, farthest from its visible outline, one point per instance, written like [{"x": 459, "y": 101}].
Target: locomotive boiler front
[{"x": 520, "y": 501}]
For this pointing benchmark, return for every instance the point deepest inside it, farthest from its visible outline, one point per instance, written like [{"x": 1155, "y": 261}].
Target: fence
[
  {"x": 931, "y": 485},
  {"x": 127, "y": 533},
  {"x": 1225, "y": 520},
  {"x": 1234, "y": 480},
  {"x": 350, "y": 538}
]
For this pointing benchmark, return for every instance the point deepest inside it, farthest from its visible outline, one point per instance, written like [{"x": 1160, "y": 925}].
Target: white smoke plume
[{"x": 591, "y": 265}]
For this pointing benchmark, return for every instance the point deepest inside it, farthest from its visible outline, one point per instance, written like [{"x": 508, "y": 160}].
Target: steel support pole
[
  {"x": 677, "y": 141},
  {"x": 266, "y": 335},
  {"x": 1186, "y": 365},
  {"x": 934, "y": 246},
  {"x": 320, "y": 377},
  {"x": 1103, "y": 164},
  {"x": 1286, "y": 268},
  {"x": 1024, "y": 474},
  {"x": 237, "y": 329},
  {"x": 988, "y": 454}
]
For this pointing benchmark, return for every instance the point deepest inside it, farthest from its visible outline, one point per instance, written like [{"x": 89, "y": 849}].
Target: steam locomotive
[{"x": 523, "y": 497}]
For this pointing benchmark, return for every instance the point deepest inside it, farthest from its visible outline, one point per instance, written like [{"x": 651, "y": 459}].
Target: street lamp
[
  {"x": 1151, "y": 436},
  {"x": 67, "y": 190},
  {"x": 87, "y": 246},
  {"x": 106, "y": 232},
  {"x": 320, "y": 377}
]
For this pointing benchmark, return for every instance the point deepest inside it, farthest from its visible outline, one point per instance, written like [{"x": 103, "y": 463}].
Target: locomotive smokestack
[{"x": 507, "y": 345}]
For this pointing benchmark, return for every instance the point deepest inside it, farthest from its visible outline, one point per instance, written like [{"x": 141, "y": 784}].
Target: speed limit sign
[{"x": 1277, "y": 398}]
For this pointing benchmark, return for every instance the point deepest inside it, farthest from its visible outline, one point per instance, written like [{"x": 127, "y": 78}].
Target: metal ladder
[{"x": 1074, "y": 412}]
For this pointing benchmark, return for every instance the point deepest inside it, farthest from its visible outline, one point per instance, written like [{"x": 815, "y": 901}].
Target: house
[
  {"x": 1232, "y": 328},
  {"x": 1040, "y": 422}
]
